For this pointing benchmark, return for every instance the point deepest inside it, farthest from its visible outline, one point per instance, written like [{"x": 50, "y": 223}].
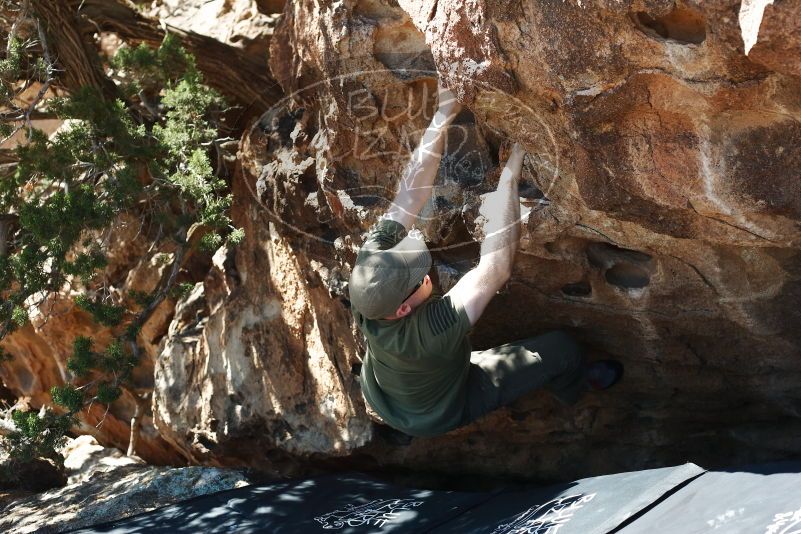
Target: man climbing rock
[{"x": 419, "y": 373}]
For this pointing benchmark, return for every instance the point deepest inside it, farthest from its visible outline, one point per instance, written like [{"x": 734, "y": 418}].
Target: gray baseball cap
[{"x": 382, "y": 279}]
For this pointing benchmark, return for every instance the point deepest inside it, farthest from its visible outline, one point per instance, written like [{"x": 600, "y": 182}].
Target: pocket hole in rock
[
  {"x": 627, "y": 276},
  {"x": 530, "y": 191},
  {"x": 577, "y": 289},
  {"x": 604, "y": 255},
  {"x": 269, "y": 7},
  {"x": 24, "y": 379},
  {"x": 624, "y": 268},
  {"x": 683, "y": 25}
]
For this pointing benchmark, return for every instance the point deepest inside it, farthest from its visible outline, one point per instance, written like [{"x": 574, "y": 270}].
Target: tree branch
[
  {"x": 12, "y": 33},
  {"x": 8, "y": 155},
  {"x": 231, "y": 71},
  {"x": 8, "y": 224},
  {"x": 182, "y": 255},
  {"x": 136, "y": 421},
  {"x": 78, "y": 59}
]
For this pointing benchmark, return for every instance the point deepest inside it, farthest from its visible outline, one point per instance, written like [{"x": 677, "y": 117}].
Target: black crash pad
[{"x": 360, "y": 504}]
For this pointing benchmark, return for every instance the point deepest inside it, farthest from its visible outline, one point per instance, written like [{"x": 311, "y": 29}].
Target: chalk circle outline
[{"x": 287, "y": 100}]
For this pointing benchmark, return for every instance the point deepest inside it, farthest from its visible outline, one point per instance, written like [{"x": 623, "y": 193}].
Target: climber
[{"x": 419, "y": 373}]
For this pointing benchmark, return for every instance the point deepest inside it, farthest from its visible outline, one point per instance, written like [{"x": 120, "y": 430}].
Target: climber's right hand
[{"x": 509, "y": 150}]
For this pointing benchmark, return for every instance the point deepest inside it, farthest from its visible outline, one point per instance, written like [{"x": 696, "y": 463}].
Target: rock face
[
  {"x": 663, "y": 177},
  {"x": 256, "y": 362},
  {"x": 104, "y": 486},
  {"x": 244, "y": 23}
]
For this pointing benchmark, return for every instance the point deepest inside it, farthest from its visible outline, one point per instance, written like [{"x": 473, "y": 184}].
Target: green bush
[{"x": 150, "y": 147}]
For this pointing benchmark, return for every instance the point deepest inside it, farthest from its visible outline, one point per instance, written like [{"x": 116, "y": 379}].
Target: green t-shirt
[{"x": 415, "y": 369}]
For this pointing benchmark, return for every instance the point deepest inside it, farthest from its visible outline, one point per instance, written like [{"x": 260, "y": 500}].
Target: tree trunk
[
  {"x": 136, "y": 422},
  {"x": 8, "y": 225},
  {"x": 75, "y": 56},
  {"x": 8, "y": 162},
  {"x": 7, "y": 155}
]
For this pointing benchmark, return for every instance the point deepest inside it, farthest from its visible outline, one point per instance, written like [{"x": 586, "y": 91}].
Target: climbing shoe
[{"x": 603, "y": 374}]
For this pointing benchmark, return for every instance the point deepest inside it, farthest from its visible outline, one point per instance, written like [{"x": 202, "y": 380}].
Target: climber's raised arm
[
  {"x": 501, "y": 210},
  {"x": 417, "y": 181}
]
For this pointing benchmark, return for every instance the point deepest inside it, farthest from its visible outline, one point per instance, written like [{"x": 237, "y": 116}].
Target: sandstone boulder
[
  {"x": 664, "y": 229},
  {"x": 662, "y": 174}
]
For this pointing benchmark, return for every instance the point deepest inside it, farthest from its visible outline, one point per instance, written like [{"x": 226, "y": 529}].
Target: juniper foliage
[{"x": 151, "y": 147}]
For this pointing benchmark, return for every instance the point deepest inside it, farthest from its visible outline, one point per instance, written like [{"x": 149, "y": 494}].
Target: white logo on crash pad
[
  {"x": 545, "y": 518},
  {"x": 786, "y": 523},
  {"x": 375, "y": 513}
]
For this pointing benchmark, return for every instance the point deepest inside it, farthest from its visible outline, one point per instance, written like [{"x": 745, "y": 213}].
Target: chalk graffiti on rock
[
  {"x": 375, "y": 513},
  {"x": 786, "y": 523},
  {"x": 545, "y": 518}
]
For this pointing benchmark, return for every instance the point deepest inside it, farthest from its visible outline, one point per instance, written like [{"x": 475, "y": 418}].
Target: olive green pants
[{"x": 500, "y": 375}]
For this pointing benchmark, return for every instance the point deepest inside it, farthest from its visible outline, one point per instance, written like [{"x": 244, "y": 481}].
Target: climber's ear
[{"x": 403, "y": 310}]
